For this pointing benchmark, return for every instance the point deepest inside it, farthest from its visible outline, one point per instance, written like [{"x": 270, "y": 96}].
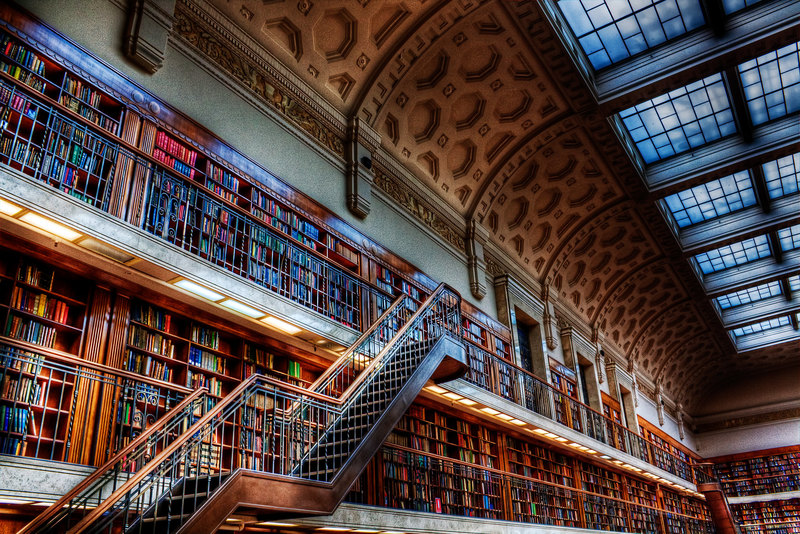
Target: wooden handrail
[
  {"x": 54, "y": 508},
  {"x": 232, "y": 397},
  {"x": 363, "y": 337},
  {"x": 625, "y": 429},
  {"x": 65, "y": 357},
  {"x": 382, "y": 354}
]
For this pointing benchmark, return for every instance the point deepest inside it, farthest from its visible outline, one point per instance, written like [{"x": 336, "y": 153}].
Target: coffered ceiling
[{"x": 509, "y": 123}]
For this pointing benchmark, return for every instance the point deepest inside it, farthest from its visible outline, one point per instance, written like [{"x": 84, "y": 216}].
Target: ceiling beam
[
  {"x": 762, "y": 310},
  {"x": 738, "y": 226},
  {"x": 751, "y": 274},
  {"x": 760, "y": 188}
]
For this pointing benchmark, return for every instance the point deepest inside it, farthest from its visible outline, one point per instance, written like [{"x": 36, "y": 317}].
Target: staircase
[{"x": 270, "y": 449}]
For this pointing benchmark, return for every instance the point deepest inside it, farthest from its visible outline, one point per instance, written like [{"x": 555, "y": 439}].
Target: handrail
[
  {"x": 403, "y": 329},
  {"x": 66, "y": 357},
  {"x": 524, "y": 373},
  {"x": 361, "y": 339},
  {"x": 237, "y": 396},
  {"x": 57, "y": 506}
]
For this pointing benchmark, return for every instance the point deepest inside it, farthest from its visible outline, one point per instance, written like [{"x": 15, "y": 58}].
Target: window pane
[
  {"x": 782, "y": 176},
  {"x": 789, "y": 237},
  {"x": 751, "y": 294},
  {"x": 761, "y": 327},
  {"x": 613, "y": 30},
  {"x": 771, "y": 84},
  {"x": 733, "y": 255},
  {"x": 712, "y": 199},
  {"x": 731, "y": 6},
  {"x": 680, "y": 120}
]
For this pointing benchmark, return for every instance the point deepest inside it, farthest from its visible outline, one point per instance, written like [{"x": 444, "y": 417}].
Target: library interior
[{"x": 400, "y": 266}]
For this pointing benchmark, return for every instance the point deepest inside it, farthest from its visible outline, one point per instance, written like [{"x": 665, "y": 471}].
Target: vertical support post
[
  {"x": 362, "y": 141},
  {"x": 147, "y": 31},
  {"x": 477, "y": 237}
]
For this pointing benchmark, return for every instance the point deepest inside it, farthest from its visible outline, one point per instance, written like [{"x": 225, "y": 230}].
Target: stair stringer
[{"x": 275, "y": 496}]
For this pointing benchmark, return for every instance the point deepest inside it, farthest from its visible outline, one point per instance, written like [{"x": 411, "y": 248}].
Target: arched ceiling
[{"x": 479, "y": 100}]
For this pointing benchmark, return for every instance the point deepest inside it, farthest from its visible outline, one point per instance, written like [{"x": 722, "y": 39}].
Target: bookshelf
[
  {"x": 782, "y": 516},
  {"x": 540, "y": 463},
  {"x": 761, "y": 474},
  {"x": 42, "y": 306},
  {"x": 595, "y": 479}
]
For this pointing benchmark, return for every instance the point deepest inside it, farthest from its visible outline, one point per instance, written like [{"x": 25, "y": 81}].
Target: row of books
[
  {"x": 22, "y": 389},
  {"x": 21, "y": 152},
  {"x": 207, "y": 360},
  {"x": 93, "y": 115},
  {"x": 197, "y": 380},
  {"x": 208, "y": 337},
  {"x": 14, "y": 419},
  {"x": 174, "y": 148},
  {"x": 173, "y": 163},
  {"x": 35, "y": 276},
  {"x": 148, "y": 366},
  {"x": 16, "y": 102},
  {"x": 40, "y": 304},
  {"x": 30, "y": 331},
  {"x": 21, "y": 55},
  {"x": 140, "y": 338},
  {"x": 152, "y": 317}
]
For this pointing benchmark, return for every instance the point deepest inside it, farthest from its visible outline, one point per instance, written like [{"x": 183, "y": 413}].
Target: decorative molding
[
  {"x": 147, "y": 32},
  {"x": 362, "y": 141},
  {"x": 238, "y": 64},
  {"x": 748, "y": 420},
  {"x": 477, "y": 237},
  {"x": 421, "y": 210}
]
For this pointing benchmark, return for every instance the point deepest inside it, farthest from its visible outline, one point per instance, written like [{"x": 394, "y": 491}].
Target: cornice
[{"x": 227, "y": 48}]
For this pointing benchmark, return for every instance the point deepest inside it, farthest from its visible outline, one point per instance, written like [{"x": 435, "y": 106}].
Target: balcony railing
[
  {"x": 67, "y": 409},
  {"x": 517, "y": 385},
  {"x": 75, "y": 156}
]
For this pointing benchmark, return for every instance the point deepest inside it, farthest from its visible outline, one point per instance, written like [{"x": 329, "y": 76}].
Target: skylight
[
  {"x": 782, "y": 175},
  {"x": 794, "y": 283},
  {"x": 612, "y": 30},
  {"x": 712, "y": 199},
  {"x": 762, "y": 326},
  {"x": 680, "y": 120},
  {"x": 789, "y": 237},
  {"x": 732, "y": 6},
  {"x": 748, "y": 295},
  {"x": 772, "y": 84},
  {"x": 733, "y": 255}
]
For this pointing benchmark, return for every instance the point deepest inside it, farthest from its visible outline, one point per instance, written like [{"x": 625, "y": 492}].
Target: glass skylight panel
[
  {"x": 762, "y": 326},
  {"x": 794, "y": 282},
  {"x": 733, "y": 255},
  {"x": 612, "y": 30},
  {"x": 732, "y": 6},
  {"x": 789, "y": 237},
  {"x": 711, "y": 200},
  {"x": 782, "y": 175},
  {"x": 680, "y": 120},
  {"x": 748, "y": 295},
  {"x": 771, "y": 84}
]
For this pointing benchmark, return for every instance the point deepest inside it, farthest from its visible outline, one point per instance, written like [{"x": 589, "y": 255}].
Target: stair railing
[
  {"x": 92, "y": 490},
  {"x": 259, "y": 426}
]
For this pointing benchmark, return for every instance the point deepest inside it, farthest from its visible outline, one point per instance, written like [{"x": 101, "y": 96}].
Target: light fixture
[
  {"x": 52, "y": 227},
  {"x": 517, "y": 422},
  {"x": 575, "y": 445},
  {"x": 490, "y": 411},
  {"x": 540, "y": 431},
  {"x": 605, "y": 457},
  {"x": 335, "y": 529},
  {"x": 7, "y": 208},
  {"x": 503, "y": 416},
  {"x": 453, "y": 396},
  {"x": 591, "y": 451},
  {"x": 468, "y": 402},
  {"x": 244, "y": 309},
  {"x": 4, "y": 500},
  {"x": 550, "y": 435},
  {"x": 282, "y": 325},
  {"x": 197, "y": 289},
  {"x": 274, "y": 524},
  {"x": 560, "y": 439},
  {"x": 365, "y": 531},
  {"x": 436, "y": 389}
]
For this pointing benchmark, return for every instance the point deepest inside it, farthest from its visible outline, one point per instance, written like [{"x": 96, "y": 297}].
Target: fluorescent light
[
  {"x": 503, "y": 416},
  {"x": 244, "y": 309},
  {"x": 34, "y": 219},
  {"x": 468, "y": 402},
  {"x": 335, "y": 529},
  {"x": 454, "y": 396},
  {"x": 560, "y": 439},
  {"x": 605, "y": 457},
  {"x": 436, "y": 389},
  {"x": 517, "y": 422},
  {"x": 198, "y": 290},
  {"x": 550, "y": 435},
  {"x": 282, "y": 325},
  {"x": 591, "y": 451},
  {"x": 490, "y": 411},
  {"x": 541, "y": 431},
  {"x": 573, "y": 444},
  {"x": 274, "y": 524},
  {"x": 366, "y": 530},
  {"x": 3, "y": 500},
  {"x": 8, "y": 208}
]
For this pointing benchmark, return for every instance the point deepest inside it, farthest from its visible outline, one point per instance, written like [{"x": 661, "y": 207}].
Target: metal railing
[
  {"x": 59, "y": 407},
  {"x": 75, "y": 156},
  {"x": 279, "y": 428},
  {"x": 464, "y": 489},
  {"x": 519, "y": 386}
]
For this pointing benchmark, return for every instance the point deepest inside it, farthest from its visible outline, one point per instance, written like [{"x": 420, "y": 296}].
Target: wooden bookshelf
[
  {"x": 538, "y": 462},
  {"x": 782, "y": 516},
  {"x": 45, "y": 307},
  {"x": 760, "y": 473}
]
